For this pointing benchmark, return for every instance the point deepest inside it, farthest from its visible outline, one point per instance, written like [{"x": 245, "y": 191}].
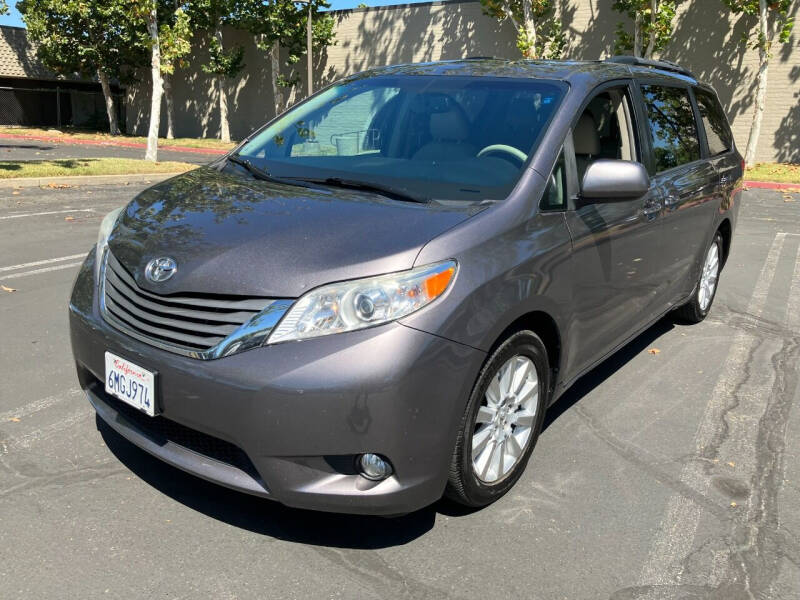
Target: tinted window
[
  {"x": 672, "y": 126},
  {"x": 718, "y": 133},
  {"x": 450, "y": 137}
]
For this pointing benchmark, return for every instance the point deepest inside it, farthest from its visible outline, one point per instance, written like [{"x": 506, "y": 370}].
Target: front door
[{"x": 616, "y": 263}]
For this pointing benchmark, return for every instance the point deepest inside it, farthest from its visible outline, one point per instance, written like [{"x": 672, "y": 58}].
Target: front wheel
[
  {"x": 698, "y": 306},
  {"x": 501, "y": 422}
]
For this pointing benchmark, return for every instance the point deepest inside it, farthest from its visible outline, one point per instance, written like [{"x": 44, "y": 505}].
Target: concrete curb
[
  {"x": 768, "y": 185},
  {"x": 121, "y": 144},
  {"x": 23, "y": 182}
]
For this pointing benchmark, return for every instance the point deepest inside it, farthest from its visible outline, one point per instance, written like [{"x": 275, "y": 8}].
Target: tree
[
  {"x": 174, "y": 34},
  {"x": 155, "y": 76},
  {"x": 652, "y": 26},
  {"x": 213, "y": 15},
  {"x": 539, "y": 33},
  {"x": 98, "y": 38},
  {"x": 767, "y": 23},
  {"x": 279, "y": 28}
]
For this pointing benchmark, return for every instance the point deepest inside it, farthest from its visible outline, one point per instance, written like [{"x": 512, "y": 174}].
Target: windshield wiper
[
  {"x": 258, "y": 172},
  {"x": 367, "y": 186}
]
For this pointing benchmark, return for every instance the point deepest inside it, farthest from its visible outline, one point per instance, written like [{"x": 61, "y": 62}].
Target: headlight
[
  {"x": 106, "y": 226},
  {"x": 362, "y": 303}
]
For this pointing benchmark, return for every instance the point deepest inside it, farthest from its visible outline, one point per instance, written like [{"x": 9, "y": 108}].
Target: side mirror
[{"x": 614, "y": 180}]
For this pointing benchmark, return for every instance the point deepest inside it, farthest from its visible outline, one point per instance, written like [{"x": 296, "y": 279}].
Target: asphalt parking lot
[{"x": 670, "y": 472}]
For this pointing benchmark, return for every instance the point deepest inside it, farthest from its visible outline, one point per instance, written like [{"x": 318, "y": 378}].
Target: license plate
[{"x": 131, "y": 383}]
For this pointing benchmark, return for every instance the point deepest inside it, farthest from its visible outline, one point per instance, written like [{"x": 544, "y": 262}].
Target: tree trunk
[
  {"x": 275, "y": 64},
  {"x": 530, "y": 29},
  {"x": 224, "y": 126},
  {"x": 170, "y": 107},
  {"x": 155, "y": 97},
  {"x": 637, "y": 35},
  {"x": 651, "y": 42},
  {"x": 761, "y": 84},
  {"x": 113, "y": 125}
]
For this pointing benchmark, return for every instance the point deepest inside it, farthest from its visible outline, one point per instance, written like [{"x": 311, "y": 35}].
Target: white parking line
[
  {"x": 675, "y": 536},
  {"x": 39, "y": 271},
  {"x": 24, "y": 441},
  {"x": 39, "y": 405},
  {"x": 49, "y": 212},
  {"x": 41, "y": 262}
]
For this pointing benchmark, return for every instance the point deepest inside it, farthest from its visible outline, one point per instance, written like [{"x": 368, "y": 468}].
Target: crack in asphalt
[
  {"x": 638, "y": 457},
  {"x": 755, "y": 542},
  {"x": 384, "y": 579},
  {"x": 63, "y": 478}
]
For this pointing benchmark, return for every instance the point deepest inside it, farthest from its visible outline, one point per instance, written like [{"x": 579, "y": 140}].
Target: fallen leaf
[
  {"x": 69, "y": 218},
  {"x": 15, "y": 193},
  {"x": 654, "y": 351},
  {"x": 731, "y": 464},
  {"x": 14, "y": 419},
  {"x": 58, "y": 186},
  {"x": 7, "y": 289},
  {"x": 733, "y": 505}
]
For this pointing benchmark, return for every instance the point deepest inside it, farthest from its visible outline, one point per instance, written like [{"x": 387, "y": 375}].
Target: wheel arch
[{"x": 546, "y": 327}]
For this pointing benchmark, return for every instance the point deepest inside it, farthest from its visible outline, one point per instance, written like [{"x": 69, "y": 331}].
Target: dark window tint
[
  {"x": 555, "y": 195},
  {"x": 716, "y": 126},
  {"x": 672, "y": 126}
]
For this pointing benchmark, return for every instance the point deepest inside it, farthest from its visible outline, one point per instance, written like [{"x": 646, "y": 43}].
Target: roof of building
[{"x": 18, "y": 56}]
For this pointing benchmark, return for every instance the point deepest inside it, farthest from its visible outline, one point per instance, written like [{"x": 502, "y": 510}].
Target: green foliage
[
  {"x": 223, "y": 62},
  {"x": 284, "y": 22},
  {"x": 75, "y": 36},
  {"x": 211, "y": 16},
  {"x": 660, "y": 29},
  {"x": 174, "y": 36},
  {"x": 539, "y": 33},
  {"x": 3, "y": 7},
  {"x": 780, "y": 22}
]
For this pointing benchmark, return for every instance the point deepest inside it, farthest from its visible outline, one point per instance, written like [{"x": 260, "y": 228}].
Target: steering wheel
[{"x": 509, "y": 151}]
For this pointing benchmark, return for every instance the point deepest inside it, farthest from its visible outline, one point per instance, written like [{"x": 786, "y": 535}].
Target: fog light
[{"x": 374, "y": 467}]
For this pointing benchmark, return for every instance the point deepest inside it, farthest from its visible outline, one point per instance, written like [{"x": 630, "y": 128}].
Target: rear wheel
[
  {"x": 501, "y": 422},
  {"x": 698, "y": 306}
]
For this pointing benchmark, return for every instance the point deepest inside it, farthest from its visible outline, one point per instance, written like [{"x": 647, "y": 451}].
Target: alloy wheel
[{"x": 505, "y": 419}]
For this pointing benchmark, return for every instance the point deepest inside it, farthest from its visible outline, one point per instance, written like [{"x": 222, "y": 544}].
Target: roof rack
[{"x": 664, "y": 65}]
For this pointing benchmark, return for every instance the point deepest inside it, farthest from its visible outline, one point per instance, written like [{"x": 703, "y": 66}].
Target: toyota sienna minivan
[{"x": 373, "y": 300}]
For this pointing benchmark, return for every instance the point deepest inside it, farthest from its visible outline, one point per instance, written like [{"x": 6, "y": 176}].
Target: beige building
[
  {"x": 705, "y": 42},
  {"x": 30, "y": 94}
]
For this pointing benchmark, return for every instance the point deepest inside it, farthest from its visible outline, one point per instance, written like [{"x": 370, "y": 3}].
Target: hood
[{"x": 235, "y": 235}]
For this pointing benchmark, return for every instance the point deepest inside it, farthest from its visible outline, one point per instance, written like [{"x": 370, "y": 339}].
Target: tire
[
  {"x": 698, "y": 307},
  {"x": 523, "y": 352}
]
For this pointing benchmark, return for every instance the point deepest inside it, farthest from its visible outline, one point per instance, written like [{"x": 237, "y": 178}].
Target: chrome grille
[{"x": 193, "y": 325}]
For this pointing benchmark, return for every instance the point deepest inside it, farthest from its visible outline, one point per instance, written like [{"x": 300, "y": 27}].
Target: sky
[{"x": 15, "y": 19}]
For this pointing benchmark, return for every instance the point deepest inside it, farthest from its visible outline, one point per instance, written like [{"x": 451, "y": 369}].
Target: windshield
[{"x": 444, "y": 137}]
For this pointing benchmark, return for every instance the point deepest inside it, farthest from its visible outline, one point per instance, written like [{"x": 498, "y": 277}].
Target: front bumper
[{"x": 286, "y": 421}]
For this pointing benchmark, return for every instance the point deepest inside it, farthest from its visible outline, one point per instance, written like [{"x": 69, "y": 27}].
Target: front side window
[
  {"x": 718, "y": 133},
  {"x": 450, "y": 137},
  {"x": 672, "y": 126}
]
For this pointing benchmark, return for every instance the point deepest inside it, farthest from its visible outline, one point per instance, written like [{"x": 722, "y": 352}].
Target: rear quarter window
[
  {"x": 673, "y": 129},
  {"x": 718, "y": 132}
]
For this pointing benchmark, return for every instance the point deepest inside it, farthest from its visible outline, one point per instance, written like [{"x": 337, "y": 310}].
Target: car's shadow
[{"x": 327, "y": 529}]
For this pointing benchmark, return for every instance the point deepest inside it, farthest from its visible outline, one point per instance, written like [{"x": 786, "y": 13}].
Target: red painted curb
[
  {"x": 768, "y": 185},
  {"x": 79, "y": 142}
]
